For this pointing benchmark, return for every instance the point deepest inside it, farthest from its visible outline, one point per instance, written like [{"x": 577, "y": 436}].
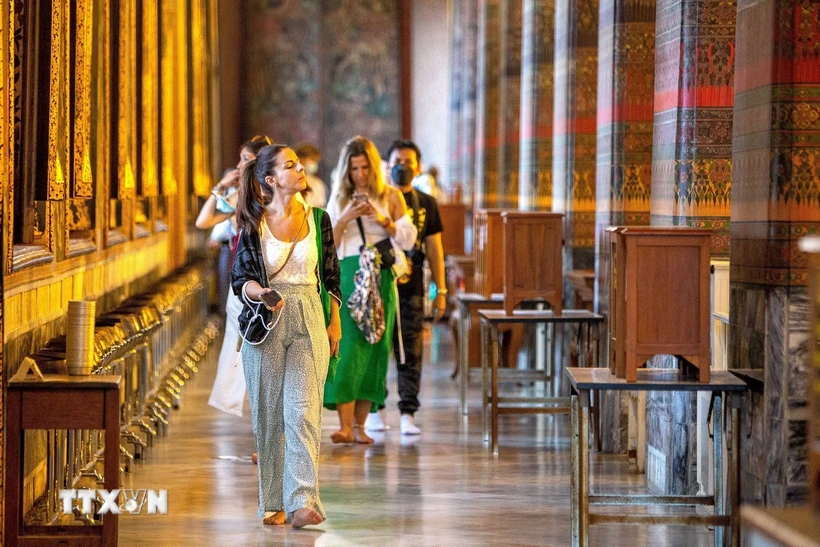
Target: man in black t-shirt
[{"x": 404, "y": 160}]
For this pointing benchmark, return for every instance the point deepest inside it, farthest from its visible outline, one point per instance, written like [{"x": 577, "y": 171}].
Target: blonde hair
[{"x": 343, "y": 188}]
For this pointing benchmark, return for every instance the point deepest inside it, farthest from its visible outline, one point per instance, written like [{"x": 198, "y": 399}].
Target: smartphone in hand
[
  {"x": 360, "y": 197},
  {"x": 271, "y": 299}
]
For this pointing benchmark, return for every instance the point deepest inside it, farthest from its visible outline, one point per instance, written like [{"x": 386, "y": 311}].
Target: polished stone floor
[{"x": 442, "y": 488}]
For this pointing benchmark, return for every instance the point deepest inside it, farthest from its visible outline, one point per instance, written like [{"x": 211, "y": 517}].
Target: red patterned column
[
  {"x": 469, "y": 67},
  {"x": 692, "y": 164},
  {"x": 775, "y": 201},
  {"x": 487, "y": 113},
  {"x": 509, "y": 101},
  {"x": 574, "y": 130},
  {"x": 626, "y": 76},
  {"x": 691, "y": 184},
  {"x": 537, "y": 72}
]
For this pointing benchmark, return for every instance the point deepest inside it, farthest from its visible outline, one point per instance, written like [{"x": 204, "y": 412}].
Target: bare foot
[
  {"x": 359, "y": 436},
  {"x": 255, "y": 457},
  {"x": 342, "y": 436},
  {"x": 305, "y": 517},
  {"x": 276, "y": 519}
]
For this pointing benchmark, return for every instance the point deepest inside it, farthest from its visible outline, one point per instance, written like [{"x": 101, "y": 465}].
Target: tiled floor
[{"x": 442, "y": 488}]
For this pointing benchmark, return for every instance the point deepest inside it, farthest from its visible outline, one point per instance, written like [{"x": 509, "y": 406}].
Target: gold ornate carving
[
  {"x": 201, "y": 97},
  {"x": 126, "y": 91},
  {"x": 101, "y": 109},
  {"x": 150, "y": 99},
  {"x": 83, "y": 174},
  {"x": 58, "y": 114}
]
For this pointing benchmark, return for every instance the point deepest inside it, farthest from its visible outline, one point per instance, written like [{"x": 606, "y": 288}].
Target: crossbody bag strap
[
  {"x": 317, "y": 221},
  {"x": 361, "y": 229},
  {"x": 292, "y": 246},
  {"x": 414, "y": 198}
]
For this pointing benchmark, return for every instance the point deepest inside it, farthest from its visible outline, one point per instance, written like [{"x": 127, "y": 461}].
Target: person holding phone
[
  {"x": 278, "y": 274},
  {"x": 361, "y": 206}
]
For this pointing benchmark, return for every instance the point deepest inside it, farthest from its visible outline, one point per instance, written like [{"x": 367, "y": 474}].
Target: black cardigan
[{"x": 249, "y": 265}]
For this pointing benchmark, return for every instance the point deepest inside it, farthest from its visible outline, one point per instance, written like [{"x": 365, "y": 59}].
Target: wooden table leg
[
  {"x": 717, "y": 447},
  {"x": 463, "y": 350},
  {"x": 13, "y": 486},
  {"x": 583, "y": 442},
  {"x": 112, "y": 461},
  {"x": 485, "y": 382},
  {"x": 734, "y": 470},
  {"x": 575, "y": 480},
  {"x": 494, "y": 360}
]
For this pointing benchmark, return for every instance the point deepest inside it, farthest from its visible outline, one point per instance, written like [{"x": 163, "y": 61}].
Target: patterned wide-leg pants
[{"x": 285, "y": 378}]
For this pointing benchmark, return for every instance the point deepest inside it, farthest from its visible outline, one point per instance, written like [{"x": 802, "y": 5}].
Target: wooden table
[
  {"x": 60, "y": 402},
  {"x": 780, "y": 526},
  {"x": 494, "y": 405},
  {"x": 467, "y": 303},
  {"x": 584, "y": 381}
]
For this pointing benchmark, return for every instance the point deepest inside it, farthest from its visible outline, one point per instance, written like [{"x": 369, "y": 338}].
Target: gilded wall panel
[
  {"x": 149, "y": 41},
  {"x": 200, "y": 104},
  {"x": 7, "y": 171},
  {"x": 83, "y": 186},
  {"x": 127, "y": 101},
  {"x": 59, "y": 167}
]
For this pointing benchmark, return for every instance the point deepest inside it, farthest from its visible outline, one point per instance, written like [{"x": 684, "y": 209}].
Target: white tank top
[{"x": 301, "y": 268}]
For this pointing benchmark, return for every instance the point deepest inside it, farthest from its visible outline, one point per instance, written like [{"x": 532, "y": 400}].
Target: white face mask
[{"x": 311, "y": 167}]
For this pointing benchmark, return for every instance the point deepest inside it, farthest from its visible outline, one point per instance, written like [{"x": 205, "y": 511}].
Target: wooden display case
[
  {"x": 453, "y": 217},
  {"x": 659, "y": 298},
  {"x": 488, "y": 248},
  {"x": 811, "y": 245},
  {"x": 533, "y": 258}
]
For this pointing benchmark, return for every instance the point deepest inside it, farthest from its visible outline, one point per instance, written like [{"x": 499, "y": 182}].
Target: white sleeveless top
[{"x": 301, "y": 268}]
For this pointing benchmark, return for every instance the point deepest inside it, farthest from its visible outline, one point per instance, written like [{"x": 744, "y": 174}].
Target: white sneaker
[
  {"x": 408, "y": 425},
  {"x": 375, "y": 422}
]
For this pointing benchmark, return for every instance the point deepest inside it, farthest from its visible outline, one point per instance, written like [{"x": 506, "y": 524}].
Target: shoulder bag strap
[
  {"x": 317, "y": 221},
  {"x": 292, "y": 246},
  {"x": 414, "y": 197},
  {"x": 361, "y": 230}
]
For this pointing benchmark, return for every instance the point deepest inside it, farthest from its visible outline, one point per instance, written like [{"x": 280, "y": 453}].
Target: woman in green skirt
[{"x": 362, "y": 205}]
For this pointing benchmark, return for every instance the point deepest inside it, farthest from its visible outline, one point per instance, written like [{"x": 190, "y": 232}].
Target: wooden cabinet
[
  {"x": 659, "y": 297},
  {"x": 453, "y": 216},
  {"x": 811, "y": 245},
  {"x": 488, "y": 248},
  {"x": 533, "y": 258}
]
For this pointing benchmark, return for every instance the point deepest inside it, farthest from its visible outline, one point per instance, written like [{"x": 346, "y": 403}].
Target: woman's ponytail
[
  {"x": 254, "y": 192},
  {"x": 247, "y": 215}
]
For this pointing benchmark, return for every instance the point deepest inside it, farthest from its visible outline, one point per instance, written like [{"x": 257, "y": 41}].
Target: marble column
[
  {"x": 691, "y": 184},
  {"x": 775, "y": 201},
  {"x": 537, "y": 72},
  {"x": 574, "y": 129},
  {"x": 487, "y": 109},
  {"x": 626, "y": 76},
  {"x": 509, "y": 101}
]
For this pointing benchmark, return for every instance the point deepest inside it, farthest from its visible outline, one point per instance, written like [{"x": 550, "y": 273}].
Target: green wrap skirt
[{"x": 361, "y": 374}]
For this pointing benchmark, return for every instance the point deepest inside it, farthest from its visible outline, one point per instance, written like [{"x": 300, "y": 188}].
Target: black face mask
[{"x": 401, "y": 175}]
